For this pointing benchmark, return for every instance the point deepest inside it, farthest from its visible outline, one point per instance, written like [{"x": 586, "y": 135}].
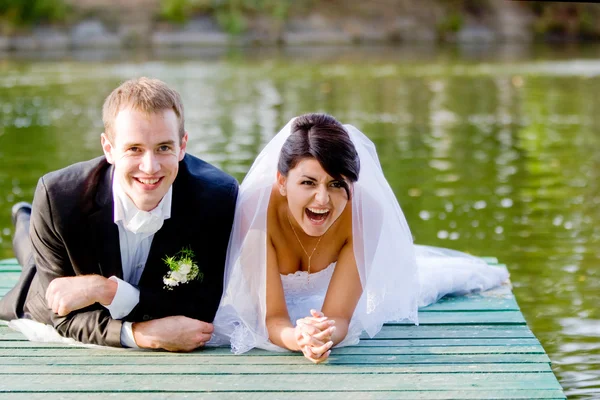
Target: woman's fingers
[
  {"x": 318, "y": 354},
  {"x": 320, "y": 350},
  {"x": 319, "y": 323},
  {"x": 325, "y": 336},
  {"x": 312, "y": 320},
  {"x": 321, "y": 326},
  {"x": 309, "y": 340},
  {"x": 308, "y": 328}
]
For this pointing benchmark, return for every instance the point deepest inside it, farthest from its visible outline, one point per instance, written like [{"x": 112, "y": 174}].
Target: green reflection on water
[{"x": 494, "y": 159}]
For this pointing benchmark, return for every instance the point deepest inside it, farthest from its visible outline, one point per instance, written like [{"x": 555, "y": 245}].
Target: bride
[{"x": 320, "y": 250}]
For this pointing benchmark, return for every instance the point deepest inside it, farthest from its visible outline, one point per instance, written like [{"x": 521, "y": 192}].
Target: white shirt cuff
[
  {"x": 127, "y": 339},
  {"x": 126, "y": 298}
]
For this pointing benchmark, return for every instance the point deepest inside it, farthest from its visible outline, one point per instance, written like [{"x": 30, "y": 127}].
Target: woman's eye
[
  {"x": 336, "y": 184},
  {"x": 306, "y": 183}
]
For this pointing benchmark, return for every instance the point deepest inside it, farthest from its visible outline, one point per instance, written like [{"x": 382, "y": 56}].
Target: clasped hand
[
  {"x": 72, "y": 293},
  {"x": 313, "y": 336}
]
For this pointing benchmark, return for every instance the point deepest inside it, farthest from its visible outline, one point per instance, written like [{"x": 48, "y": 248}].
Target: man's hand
[
  {"x": 175, "y": 333},
  {"x": 72, "y": 293}
]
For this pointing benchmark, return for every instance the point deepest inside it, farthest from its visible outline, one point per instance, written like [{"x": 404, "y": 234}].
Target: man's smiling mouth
[{"x": 148, "y": 181}]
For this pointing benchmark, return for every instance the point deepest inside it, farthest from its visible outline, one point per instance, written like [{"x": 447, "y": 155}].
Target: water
[{"x": 490, "y": 152}]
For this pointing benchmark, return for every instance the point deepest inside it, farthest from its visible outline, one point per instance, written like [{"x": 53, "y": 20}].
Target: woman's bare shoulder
[{"x": 274, "y": 210}]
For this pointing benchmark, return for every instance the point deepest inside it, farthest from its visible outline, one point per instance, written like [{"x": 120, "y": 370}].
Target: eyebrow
[
  {"x": 135, "y": 144},
  {"x": 313, "y": 179}
]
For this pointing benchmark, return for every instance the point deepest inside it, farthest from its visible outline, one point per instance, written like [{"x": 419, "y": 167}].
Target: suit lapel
[
  {"x": 172, "y": 237},
  {"x": 103, "y": 230}
]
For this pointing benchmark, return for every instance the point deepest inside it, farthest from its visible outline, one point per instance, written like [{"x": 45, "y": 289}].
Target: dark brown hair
[{"x": 322, "y": 137}]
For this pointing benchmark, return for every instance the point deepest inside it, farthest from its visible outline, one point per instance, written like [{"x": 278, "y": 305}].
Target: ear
[
  {"x": 183, "y": 146},
  {"x": 107, "y": 148},
  {"x": 281, "y": 181}
]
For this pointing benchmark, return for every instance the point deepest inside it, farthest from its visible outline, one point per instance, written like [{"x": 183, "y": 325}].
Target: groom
[{"x": 104, "y": 233}]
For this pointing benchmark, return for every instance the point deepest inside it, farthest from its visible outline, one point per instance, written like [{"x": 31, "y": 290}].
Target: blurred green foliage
[
  {"x": 15, "y": 14},
  {"x": 566, "y": 20},
  {"x": 232, "y": 15},
  {"x": 451, "y": 23}
]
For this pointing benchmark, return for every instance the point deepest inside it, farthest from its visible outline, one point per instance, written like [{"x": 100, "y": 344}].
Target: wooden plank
[
  {"x": 306, "y": 368},
  {"x": 282, "y": 383},
  {"x": 7, "y": 268},
  {"x": 10, "y": 262},
  {"x": 6, "y": 288},
  {"x": 469, "y": 347},
  {"x": 448, "y": 342},
  {"x": 59, "y": 357},
  {"x": 400, "y": 332},
  {"x": 452, "y": 332},
  {"x": 52, "y": 349},
  {"x": 500, "y": 298},
  {"x": 468, "y": 318},
  {"x": 353, "y": 350},
  {"x": 431, "y": 332},
  {"x": 497, "y": 394},
  {"x": 16, "y": 339},
  {"x": 9, "y": 276},
  {"x": 472, "y": 303}
]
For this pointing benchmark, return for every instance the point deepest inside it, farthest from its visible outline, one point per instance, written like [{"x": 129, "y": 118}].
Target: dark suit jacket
[{"x": 73, "y": 233}]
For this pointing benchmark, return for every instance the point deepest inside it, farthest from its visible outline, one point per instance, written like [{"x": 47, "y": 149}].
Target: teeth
[
  {"x": 148, "y": 181},
  {"x": 317, "y": 211}
]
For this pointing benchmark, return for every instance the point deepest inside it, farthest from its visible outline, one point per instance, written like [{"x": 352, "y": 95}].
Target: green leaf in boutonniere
[{"x": 182, "y": 269}]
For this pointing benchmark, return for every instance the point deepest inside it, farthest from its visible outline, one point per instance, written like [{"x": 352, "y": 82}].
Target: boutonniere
[{"x": 182, "y": 269}]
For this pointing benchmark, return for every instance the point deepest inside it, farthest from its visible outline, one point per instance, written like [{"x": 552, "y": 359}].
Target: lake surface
[{"x": 491, "y": 151}]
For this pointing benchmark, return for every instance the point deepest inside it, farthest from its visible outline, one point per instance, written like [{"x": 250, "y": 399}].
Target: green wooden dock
[{"x": 471, "y": 347}]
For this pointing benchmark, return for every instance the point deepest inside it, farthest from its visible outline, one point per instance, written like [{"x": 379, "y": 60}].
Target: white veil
[{"x": 382, "y": 246}]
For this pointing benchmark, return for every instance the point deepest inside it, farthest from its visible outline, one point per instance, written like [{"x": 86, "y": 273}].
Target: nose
[
  {"x": 322, "y": 195},
  {"x": 149, "y": 163}
]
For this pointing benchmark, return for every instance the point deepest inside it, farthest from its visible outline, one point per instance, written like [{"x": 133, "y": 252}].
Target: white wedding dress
[
  {"x": 441, "y": 272},
  {"x": 397, "y": 276}
]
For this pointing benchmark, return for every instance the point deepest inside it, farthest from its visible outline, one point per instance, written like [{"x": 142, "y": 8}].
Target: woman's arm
[
  {"x": 307, "y": 338},
  {"x": 343, "y": 292},
  {"x": 281, "y": 331}
]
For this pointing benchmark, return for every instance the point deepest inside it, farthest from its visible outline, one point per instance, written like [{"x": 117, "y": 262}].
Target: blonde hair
[{"x": 143, "y": 94}]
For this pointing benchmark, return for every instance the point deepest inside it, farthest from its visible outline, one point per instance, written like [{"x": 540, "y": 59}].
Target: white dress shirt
[{"x": 136, "y": 231}]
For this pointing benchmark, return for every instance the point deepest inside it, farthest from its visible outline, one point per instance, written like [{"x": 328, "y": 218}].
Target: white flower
[
  {"x": 170, "y": 282},
  {"x": 179, "y": 276},
  {"x": 184, "y": 268}
]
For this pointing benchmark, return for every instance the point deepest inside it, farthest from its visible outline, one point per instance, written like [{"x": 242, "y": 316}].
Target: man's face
[{"x": 145, "y": 152}]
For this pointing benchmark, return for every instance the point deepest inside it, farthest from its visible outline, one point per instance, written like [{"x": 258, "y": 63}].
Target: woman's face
[{"x": 315, "y": 199}]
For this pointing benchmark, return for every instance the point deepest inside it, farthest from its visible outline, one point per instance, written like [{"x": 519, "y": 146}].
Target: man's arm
[{"x": 91, "y": 324}]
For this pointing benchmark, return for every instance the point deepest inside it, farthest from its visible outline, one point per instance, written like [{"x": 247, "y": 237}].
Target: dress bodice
[{"x": 304, "y": 291}]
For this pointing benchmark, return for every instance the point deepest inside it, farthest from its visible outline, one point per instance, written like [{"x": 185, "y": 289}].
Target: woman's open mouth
[{"x": 317, "y": 216}]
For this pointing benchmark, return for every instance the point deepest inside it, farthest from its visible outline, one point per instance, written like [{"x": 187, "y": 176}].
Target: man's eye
[
  {"x": 134, "y": 149},
  {"x": 164, "y": 148}
]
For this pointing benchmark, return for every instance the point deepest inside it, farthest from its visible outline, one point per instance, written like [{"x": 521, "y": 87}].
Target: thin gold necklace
[{"x": 301, "y": 245}]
